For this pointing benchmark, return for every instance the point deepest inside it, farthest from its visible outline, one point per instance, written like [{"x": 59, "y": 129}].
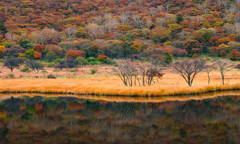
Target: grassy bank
[{"x": 170, "y": 85}]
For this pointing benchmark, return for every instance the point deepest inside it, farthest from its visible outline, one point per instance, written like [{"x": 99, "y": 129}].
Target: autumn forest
[{"x": 139, "y": 29}]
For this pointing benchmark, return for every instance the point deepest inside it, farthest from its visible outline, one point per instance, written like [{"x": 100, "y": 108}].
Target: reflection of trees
[
  {"x": 127, "y": 137},
  {"x": 72, "y": 125},
  {"x": 45, "y": 123},
  {"x": 208, "y": 121},
  {"x": 189, "y": 113},
  {"x": 13, "y": 124},
  {"x": 140, "y": 133}
]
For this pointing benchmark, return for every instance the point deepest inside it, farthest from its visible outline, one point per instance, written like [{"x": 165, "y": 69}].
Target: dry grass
[{"x": 171, "y": 84}]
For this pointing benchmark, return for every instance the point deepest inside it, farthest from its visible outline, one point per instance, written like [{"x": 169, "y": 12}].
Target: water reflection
[{"x": 72, "y": 120}]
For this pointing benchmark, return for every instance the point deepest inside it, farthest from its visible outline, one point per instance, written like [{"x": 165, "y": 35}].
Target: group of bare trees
[
  {"x": 107, "y": 23},
  {"x": 132, "y": 73},
  {"x": 43, "y": 35},
  {"x": 188, "y": 69}
]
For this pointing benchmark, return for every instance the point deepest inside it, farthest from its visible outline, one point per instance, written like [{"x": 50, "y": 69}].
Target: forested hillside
[{"x": 140, "y": 29}]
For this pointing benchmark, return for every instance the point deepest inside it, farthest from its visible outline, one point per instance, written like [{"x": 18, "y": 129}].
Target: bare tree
[
  {"x": 138, "y": 21},
  {"x": 160, "y": 8},
  {"x": 237, "y": 28},
  {"x": 188, "y": 69},
  {"x": 108, "y": 16},
  {"x": 92, "y": 29},
  {"x": 47, "y": 4},
  {"x": 102, "y": 29},
  {"x": 232, "y": 10},
  {"x": 6, "y": 9},
  {"x": 98, "y": 19},
  {"x": 223, "y": 66},
  {"x": 236, "y": 18},
  {"x": 206, "y": 11},
  {"x": 225, "y": 3},
  {"x": 196, "y": 18},
  {"x": 138, "y": 1},
  {"x": 124, "y": 18},
  {"x": 111, "y": 25},
  {"x": 229, "y": 28},
  {"x": 131, "y": 72},
  {"x": 123, "y": 72},
  {"x": 219, "y": 2},
  {"x": 152, "y": 10},
  {"x": 167, "y": 6},
  {"x": 43, "y": 35},
  {"x": 209, "y": 69},
  {"x": 149, "y": 23},
  {"x": 160, "y": 21},
  {"x": 153, "y": 70},
  {"x": 70, "y": 30},
  {"x": 11, "y": 36}
]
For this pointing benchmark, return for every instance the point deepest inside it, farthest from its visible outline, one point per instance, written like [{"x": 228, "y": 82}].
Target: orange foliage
[
  {"x": 101, "y": 57},
  {"x": 74, "y": 54},
  {"x": 38, "y": 48}
]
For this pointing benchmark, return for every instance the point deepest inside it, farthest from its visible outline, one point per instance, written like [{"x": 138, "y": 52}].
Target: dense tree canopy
[{"x": 89, "y": 25}]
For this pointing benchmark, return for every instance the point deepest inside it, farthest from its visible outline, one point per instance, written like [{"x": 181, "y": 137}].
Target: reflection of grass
[{"x": 171, "y": 84}]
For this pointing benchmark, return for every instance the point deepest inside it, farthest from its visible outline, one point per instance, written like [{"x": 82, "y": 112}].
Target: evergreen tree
[{"x": 179, "y": 18}]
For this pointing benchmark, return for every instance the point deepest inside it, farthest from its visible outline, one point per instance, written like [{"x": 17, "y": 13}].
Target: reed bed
[{"x": 169, "y": 85}]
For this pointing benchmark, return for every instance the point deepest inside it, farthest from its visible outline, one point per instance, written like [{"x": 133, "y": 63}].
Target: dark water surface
[{"x": 72, "y": 120}]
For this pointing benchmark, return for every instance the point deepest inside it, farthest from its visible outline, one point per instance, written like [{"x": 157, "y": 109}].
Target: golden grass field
[{"x": 170, "y": 85}]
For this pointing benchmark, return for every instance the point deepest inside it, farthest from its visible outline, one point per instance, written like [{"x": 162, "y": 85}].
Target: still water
[{"x": 72, "y": 120}]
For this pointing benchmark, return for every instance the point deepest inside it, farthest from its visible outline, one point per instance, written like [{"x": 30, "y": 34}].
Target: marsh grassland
[{"x": 170, "y": 85}]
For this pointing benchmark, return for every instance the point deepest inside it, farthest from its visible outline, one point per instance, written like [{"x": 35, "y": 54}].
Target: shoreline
[
  {"x": 114, "y": 95},
  {"x": 127, "y": 99}
]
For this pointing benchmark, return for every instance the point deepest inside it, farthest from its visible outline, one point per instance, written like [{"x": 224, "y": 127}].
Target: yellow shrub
[
  {"x": 2, "y": 47},
  {"x": 167, "y": 43},
  {"x": 21, "y": 55}
]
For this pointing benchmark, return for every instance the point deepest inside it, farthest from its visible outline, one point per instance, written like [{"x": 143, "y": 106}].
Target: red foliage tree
[
  {"x": 75, "y": 106},
  {"x": 179, "y": 52},
  {"x": 74, "y": 54},
  {"x": 37, "y": 55},
  {"x": 101, "y": 57},
  {"x": 234, "y": 54},
  {"x": 38, "y": 106},
  {"x": 213, "y": 40},
  {"x": 38, "y": 48}
]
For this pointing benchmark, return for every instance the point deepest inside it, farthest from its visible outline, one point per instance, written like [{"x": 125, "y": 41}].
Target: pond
[{"x": 68, "y": 119}]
